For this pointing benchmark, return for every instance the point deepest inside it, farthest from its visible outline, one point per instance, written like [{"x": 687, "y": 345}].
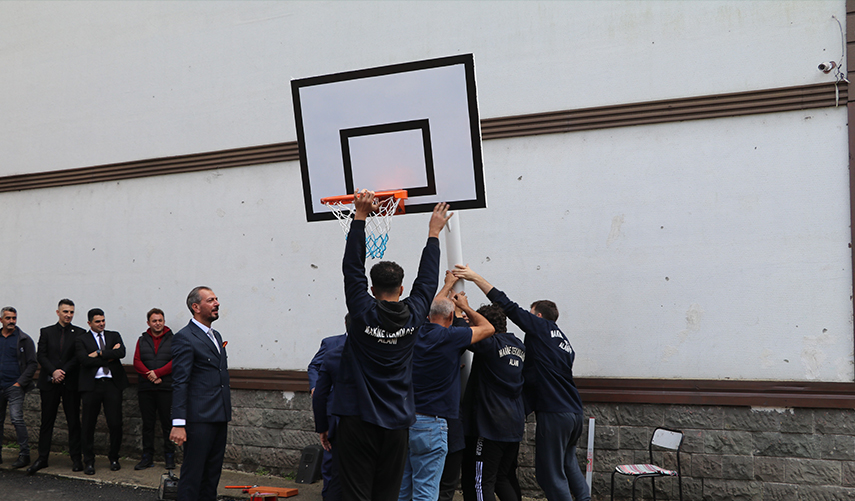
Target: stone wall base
[{"x": 729, "y": 453}]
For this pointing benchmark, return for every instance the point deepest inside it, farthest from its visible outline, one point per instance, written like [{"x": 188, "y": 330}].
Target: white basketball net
[{"x": 377, "y": 224}]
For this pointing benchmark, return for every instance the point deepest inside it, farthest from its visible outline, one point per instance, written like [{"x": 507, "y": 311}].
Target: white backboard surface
[{"x": 410, "y": 126}]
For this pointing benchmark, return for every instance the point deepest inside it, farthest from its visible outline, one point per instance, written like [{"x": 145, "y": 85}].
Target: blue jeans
[
  {"x": 425, "y": 460},
  {"x": 556, "y": 466},
  {"x": 13, "y": 397}
]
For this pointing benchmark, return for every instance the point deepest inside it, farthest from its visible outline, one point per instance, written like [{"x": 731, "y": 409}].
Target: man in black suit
[
  {"x": 200, "y": 368},
  {"x": 102, "y": 379},
  {"x": 57, "y": 383}
]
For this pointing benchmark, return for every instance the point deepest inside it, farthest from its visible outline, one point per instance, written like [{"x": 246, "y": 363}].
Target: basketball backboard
[{"x": 411, "y": 126}]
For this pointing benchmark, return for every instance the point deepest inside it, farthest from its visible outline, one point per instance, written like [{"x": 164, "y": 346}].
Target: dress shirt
[
  {"x": 210, "y": 332},
  {"x": 98, "y": 336}
]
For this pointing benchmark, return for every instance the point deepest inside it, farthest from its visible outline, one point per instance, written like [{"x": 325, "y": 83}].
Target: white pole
[
  {"x": 589, "y": 473},
  {"x": 453, "y": 247},
  {"x": 454, "y": 251}
]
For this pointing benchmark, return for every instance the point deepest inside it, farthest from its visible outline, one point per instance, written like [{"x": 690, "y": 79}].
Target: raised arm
[
  {"x": 481, "y": 327},
  {"x": 450, "y": 280},
  {"x": 517, "y": 314},
  {"x": 466, "y": 273},
  {"x": 425, "y": 284},
  {"x": 364, "y": 204},
  {"x": 353, "y": 265},
  {"x": 438, "y": 218}
]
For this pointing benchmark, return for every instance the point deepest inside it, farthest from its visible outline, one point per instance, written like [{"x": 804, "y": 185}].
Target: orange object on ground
[
  {"x": 282, "y": 492},
  {"x": 263, "y": 496}
]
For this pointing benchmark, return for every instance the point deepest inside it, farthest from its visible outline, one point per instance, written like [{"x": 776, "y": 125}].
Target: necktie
[
  {"x": 101, "y": 344},
  {"x": 62, "y": 339},
  {"x": 213, "y": 339}
]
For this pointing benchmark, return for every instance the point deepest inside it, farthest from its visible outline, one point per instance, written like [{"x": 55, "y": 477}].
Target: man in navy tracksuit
[
  {"x": 436, "y": 387},
  {"x": 374, "y": 390},
  {"x": 494, "y": 414},
  {"x": 549, "y": 391}
]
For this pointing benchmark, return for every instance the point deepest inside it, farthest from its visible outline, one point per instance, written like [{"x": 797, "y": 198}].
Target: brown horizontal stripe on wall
[
  {"x": 804, "y": 394},
  {"x": 801, "y": 394},
  {"x": 239, "y": 157},
  {"x": 672, "y": 110}
]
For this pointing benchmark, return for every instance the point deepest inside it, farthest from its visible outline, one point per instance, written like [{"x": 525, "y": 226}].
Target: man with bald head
[{"x": 436, "y": 388}]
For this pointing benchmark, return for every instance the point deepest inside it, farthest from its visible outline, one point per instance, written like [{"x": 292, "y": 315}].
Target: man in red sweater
[{"x": 153, "y": 362}]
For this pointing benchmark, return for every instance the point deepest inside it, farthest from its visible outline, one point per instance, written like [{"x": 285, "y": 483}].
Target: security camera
[{"x": 827, "y": 67}]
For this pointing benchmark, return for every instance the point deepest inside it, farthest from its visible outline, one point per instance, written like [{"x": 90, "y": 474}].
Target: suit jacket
[
  {"x": 26, "y": 355},
  {"x": 110, "y": 358},
  {"x": 51, "y": 357},
  {"x": 201, "y": 390},
  {"x": 327, "y": 344},
  {"x": 326, "y": 380}
]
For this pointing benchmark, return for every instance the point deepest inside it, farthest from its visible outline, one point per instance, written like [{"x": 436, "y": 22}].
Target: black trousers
[
  {"x": 51, "y": 399},
  {"x": 154, "y": 404},
  {"x": 204, "y": 451},
  {"x": 450, "y": 475},
  {"x": 106, "y": 393},
  {"x": 490, "y": 470},
  {"x": 370, "y": 460},
  {"x": 329, "y": 470}
]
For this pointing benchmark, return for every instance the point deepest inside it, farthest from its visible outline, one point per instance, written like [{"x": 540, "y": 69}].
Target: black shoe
[
  {"x": 21, "y": 461},
  {"x": 145, "y": 462},
  {"x": 115, "y": 466},
  {"x": 89, "y": 469},
  {"x": 76, "y": 465},
  {"x": 170, "y": 460},
  {"x": 37, "y": 465}
]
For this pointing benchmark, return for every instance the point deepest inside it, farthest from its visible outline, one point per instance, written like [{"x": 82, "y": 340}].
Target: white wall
[
  {"x": 747, "y": 218},
  {"x": 89, "y": 83}
]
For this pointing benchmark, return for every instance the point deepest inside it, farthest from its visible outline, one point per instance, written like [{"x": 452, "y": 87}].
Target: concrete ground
[{"x": 60, "y": 466}]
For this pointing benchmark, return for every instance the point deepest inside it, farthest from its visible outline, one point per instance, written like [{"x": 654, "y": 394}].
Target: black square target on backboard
[{"x": 411, "y": 126}]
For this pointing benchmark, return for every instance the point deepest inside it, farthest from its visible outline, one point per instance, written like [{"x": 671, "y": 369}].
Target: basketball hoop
[{"x": 377, "y": 223}]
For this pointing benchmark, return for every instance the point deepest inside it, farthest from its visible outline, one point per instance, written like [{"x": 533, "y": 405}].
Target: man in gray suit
[{"x": 200, "y": 423}]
